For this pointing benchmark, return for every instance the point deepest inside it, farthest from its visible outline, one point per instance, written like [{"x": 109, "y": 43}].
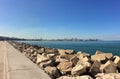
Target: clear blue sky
[{"x": 60, "y": 19}]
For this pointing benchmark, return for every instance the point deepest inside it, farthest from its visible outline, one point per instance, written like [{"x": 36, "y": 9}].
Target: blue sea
[{"x": 85, "y": 46}]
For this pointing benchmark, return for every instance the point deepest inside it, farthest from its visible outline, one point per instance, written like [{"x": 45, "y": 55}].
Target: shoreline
[{"x": 61, "y": 64}]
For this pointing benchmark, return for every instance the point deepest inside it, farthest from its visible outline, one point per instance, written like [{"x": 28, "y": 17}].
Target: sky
[{"x": 50, "y": 19}]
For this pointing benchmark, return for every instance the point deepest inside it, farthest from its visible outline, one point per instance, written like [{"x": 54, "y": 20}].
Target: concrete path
[
  {"x": 2, "y": 60},
  {"x": 20, "y": 67}
]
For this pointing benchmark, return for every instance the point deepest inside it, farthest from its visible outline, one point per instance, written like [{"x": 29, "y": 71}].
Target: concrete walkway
[
  {"x": 18, "y": 66},
  {"x": 2, "y": 60}
]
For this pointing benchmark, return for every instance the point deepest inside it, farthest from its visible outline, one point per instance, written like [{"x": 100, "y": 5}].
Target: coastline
[{"x": 61, "y": 64}]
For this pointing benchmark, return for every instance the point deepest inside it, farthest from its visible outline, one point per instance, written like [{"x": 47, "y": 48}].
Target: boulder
[
  {"x": 98, "y": 57},
  {"x": 84, "y": 77},
  {"x": 81, "y": 55},
  {"x": 109, "y": 67},
  {"x": 30, "y": 58},
  {"x": 108, "y": 55},
  {"x": 35, "y": 54},
  {"x": 83, "y": 63},
  {"x": 95, "y": 68},
  {"x": 117, "y": 61},
  {"x": 52, "y": 71},
  {"x": 80, "y": 68},
  {"x": 101, "y": 57},
  {"x": 64, "y": 52},
  {"x": 41, "y": 58},
  {"x": 27, "y": 54},
  {"x": 86, "y": 59},
  {"x": 65, "y": 67},
  {"x": 50, "y": 55},
  {"x": 61, "y": 58},
  {"x": 46, "y": 63},
  {"x": 61, "y": 51},
  {"x": 36, "y": 47},
  {"x": 66, "y": 77},
  {"x": 51, "y": 50},
  {"x": 108, "y": 76},
  {"x": 77, "y": 77},
  {"x": 41, "y": 50},
  {"x": 24, "y": 52},
  {"x": 31, "y": 50},
  {"x": 69, "y": 51},
  {"x": 74, "y": 60},
  {"x": 98, "y": 52},
  {"x": 31, "y": 55},
  {"x": 34, "y": 60}
]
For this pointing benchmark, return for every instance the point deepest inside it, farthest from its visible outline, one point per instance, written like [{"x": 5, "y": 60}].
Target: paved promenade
[
  {"x": 14, "y": 65},
  {"x": 2, "y": 60}
]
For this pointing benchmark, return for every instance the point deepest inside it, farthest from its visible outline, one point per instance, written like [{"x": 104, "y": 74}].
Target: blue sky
[{"x": 60, "y": 19}]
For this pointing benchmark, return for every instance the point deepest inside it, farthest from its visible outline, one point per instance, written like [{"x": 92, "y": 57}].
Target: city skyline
[{"x": 55, "y": 19}]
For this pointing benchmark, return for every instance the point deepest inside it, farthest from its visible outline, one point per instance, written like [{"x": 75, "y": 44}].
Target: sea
[{"x": 84, "y": 46}]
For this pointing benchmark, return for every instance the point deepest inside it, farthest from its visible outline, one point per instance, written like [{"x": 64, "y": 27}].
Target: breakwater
[{"x": 67, "y": 64}]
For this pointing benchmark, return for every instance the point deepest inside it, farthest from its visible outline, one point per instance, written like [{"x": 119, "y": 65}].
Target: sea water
[{"x": 84, "y": 46}]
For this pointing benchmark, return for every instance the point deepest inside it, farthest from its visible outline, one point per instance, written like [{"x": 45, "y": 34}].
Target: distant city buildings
[{"x": 65, "y": 39}]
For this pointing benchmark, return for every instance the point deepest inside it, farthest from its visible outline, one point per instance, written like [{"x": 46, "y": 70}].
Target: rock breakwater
[{"x": 68, "y": 64}]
